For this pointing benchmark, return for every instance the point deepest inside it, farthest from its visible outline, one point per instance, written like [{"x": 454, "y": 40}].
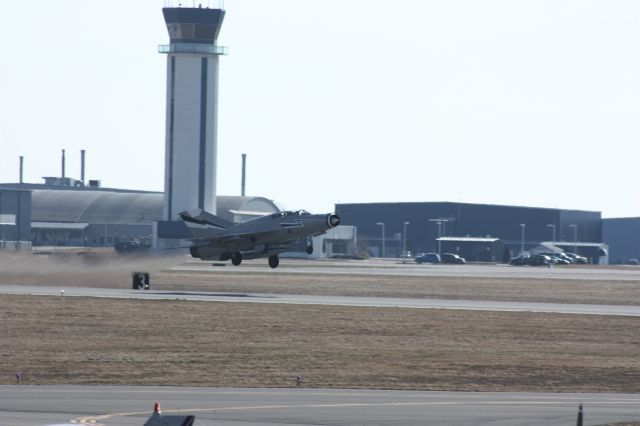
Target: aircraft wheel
[
  {"x": 274, "y": 261},
  {"x": 309, "y": 249},
  {"x": 236, "y": 259}
]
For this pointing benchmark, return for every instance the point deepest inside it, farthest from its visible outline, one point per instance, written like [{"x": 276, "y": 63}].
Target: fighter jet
[{"x": 217, "y": 239}]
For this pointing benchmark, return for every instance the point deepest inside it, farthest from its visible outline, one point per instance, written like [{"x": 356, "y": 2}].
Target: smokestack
[
  {"x": 21, "y": 167},
  {"x": 244, "y": 173},
  {"x": 82, "y": 151},
  {"x": 63, "y": 175}
]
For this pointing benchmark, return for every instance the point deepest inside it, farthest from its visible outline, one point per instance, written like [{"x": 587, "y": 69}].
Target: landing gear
[
  {"x": 274, "y": 261},
  {"x": 236, "y": 259},
  {"x": 309, "y": 248}
]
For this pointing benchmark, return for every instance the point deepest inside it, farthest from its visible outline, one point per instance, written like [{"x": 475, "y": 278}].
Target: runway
[
  {"x": 381, "y": 302},
  {"x": 120, "y": 405},
  {"x": 409, "y": 268}
]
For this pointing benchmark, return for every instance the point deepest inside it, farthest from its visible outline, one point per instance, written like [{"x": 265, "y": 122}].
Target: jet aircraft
[{"x": 267, "y": 236}]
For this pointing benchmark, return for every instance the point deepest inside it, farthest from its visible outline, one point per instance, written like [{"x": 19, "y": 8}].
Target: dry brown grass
[
  {"x": 102, "y": 341},
  {"x": 112, "y": 271}
]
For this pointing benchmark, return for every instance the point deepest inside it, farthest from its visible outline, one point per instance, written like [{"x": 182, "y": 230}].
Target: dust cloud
[{"x": 79, "y": 268}]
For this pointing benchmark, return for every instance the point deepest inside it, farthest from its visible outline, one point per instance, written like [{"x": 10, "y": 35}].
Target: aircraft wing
[{"x": 254, "y": 236}]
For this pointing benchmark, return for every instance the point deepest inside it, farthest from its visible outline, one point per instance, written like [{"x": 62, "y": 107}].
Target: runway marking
[{"x": 93, "y": 420}]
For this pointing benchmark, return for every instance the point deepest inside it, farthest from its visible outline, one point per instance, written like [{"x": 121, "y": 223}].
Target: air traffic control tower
[{"x": 192, "y": 109}]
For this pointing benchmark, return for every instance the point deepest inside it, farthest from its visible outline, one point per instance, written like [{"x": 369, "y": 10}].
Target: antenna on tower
[
  {"x": 82, "y": 153},
  {"x": 244, "y": 174},
  {"x": 63, "y": 164}
]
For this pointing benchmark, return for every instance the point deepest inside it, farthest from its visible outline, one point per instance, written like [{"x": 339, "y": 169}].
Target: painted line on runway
[{"x": 94, "y": 420}]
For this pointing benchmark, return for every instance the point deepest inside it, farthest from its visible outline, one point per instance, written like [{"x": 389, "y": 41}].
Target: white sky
[{"x": 532, "y": 103}]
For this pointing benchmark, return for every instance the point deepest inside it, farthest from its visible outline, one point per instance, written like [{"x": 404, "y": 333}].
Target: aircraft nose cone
[{"x": 333, "y": 220}]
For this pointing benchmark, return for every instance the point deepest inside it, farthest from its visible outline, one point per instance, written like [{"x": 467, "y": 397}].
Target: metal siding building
[
  {"x": 464, "y": 220},
  {"x": 15, "y": 217},
  {"x": 623, "y": 237}
]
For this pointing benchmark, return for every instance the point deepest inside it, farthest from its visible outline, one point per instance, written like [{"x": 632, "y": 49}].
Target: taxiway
[{"x": 119, "y": 406}]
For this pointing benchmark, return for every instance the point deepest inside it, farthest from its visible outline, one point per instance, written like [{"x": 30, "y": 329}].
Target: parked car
[
  {"x": 452, "y": 258},
  {"x": 557, "y": 259},
  {"x": 539, "y": 260},
  {"x": 560, "y": 261},
  {"x": 581, "y": 260},
  {"x": 520, "y": 260},
  {"x": 560, "y": 258},
  {"x": 428, "y": 258}
]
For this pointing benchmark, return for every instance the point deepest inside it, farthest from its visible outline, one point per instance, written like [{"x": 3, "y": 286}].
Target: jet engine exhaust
[{"x": 333, "y": 220}]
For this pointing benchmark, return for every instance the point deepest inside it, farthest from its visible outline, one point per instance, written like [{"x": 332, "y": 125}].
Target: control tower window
[
  {"x": 180, "y": 31},
  {"x": 205, "y": 32}
]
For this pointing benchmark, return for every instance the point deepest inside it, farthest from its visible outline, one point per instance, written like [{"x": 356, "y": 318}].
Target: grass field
[
  {"x": 55, "y": 340},
  {"x": 470, "y": 288},
  {"x": 63, "y": 340},
  {"x": 109, "y": 271}
]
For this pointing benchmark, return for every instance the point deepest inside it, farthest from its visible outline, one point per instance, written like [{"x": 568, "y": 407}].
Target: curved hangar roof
[
  {"x": 85, "y": 206},
  {"x": 95, "y": 206}
]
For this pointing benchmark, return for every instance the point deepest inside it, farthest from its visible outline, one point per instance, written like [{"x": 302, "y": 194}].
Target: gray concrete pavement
[
  {"x": 119, "y": 405},
  {"x": 476, "y": 305}
]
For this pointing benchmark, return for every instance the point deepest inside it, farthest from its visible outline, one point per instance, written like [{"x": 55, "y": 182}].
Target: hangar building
[
  {"x": 434, "y": 226},
  {"x": 81, "y": 216},
  {"x": 623, "y": 236}
]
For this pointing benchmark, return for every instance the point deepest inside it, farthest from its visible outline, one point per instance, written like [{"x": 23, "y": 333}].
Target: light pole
[
  {"x": 440, "y": 221},
  {"x": 522, "y": 227},
  {"x": 383, "y": 248},
  {"x": 575, "y": 238},
  {"x": 404, "y": 239},
  {"x": 553, "y": 227}
]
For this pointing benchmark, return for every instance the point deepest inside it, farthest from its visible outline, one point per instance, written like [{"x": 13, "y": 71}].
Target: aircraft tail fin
[{"x": 202, "y": 223}]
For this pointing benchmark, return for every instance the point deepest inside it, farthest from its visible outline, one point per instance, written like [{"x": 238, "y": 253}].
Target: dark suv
[
  {"x": 452, "y": 258},
  {"x": 520, "y": 260},
  {"x": 428, "y": 258},
  {"x": 539, "y": 260}
]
